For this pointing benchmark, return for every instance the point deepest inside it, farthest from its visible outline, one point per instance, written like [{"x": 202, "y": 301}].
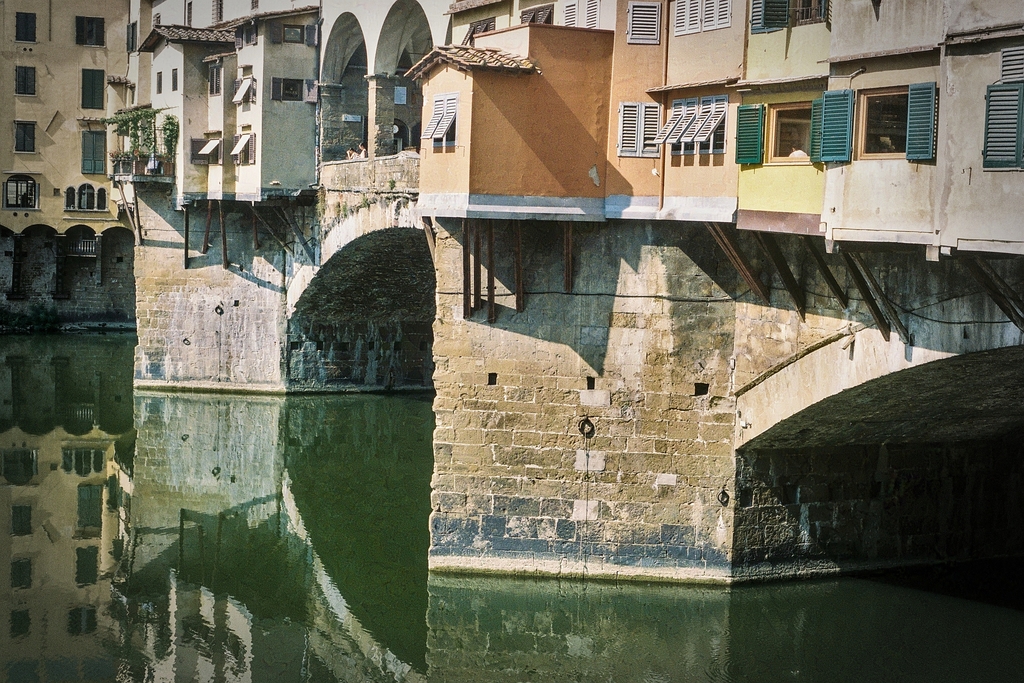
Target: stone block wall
[{"x": 641, "y": 346}]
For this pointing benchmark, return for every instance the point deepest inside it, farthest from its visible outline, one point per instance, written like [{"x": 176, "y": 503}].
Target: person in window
[
  {"x": 797, "y": 153},
  {"x": 362, "y": 151}
]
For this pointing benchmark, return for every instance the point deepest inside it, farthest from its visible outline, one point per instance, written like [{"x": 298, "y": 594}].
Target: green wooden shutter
[
  {"x": 90, "y": 506},
  {"x": 921, "y": 122},
  {"x": 776, "y": 13},
  {"x": 816, "y": 110},
  {"x": 80, "y": 30},
  {"x": 87, "y": 153},
  {"x": 1003, "y": 110},
  {"x": 749, "y": 133},
  {"x": 93, "y": 84},
  {"x": 94, "y": 145},
  {"x": 837, "y": 125},
  {"x": 823, "y": 10}
]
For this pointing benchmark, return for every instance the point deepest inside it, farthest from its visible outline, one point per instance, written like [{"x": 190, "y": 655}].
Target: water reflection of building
[{"x": 66, "y": 420}]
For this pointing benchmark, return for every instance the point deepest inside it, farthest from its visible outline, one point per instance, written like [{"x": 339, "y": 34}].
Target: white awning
[
  {"x": 243, "y": 90},
  {"x": 210, "y": 146},
  {"x": 240, "y": 145}
]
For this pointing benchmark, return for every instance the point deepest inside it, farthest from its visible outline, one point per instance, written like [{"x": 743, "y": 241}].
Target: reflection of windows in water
[
  {"x": 18, "y": 465},
  {"x": 21, "y": 520},
  {"x": 90, "y": 506},
  {"x": 87, "y": 564},
  {"x": 21, "y": 573},
  {"x": 885, "y": 124},
  {"x": 81, "y": 620},
  {"x": 21, "y": 623},
  {"x": 84, "y": 461},
  {"x": 791, "y": 132}
]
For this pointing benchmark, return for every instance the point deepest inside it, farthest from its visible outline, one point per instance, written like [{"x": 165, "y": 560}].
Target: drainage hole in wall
[
  {"x": 492, "y": 379},
  {"x": 591, "y": 383},
  {"x": 701, "y": 388}
]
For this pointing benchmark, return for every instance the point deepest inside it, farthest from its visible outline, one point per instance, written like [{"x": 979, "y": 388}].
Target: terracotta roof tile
[
  {"x": 185, "y": 34},
  {"x": 232, "y": 23},
  {"x": 468, "y": 58},
  {"x": 119, "y": 80}
]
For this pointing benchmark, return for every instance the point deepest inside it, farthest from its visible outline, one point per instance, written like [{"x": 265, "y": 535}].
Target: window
[
  {"x": 159, "y": 82},
  {"x": 216, "y": 74},
  {"x": 157, "y": 20},
  {"x": 84, "y": 461},
  {"x": 643, "y": 23},
  {"x": 101, "y": 199},
  {"x": 789, "y": 129},
  {"x": 255, "y": 4},
  {"x": 244, "y": 150},
  {"x": 20, "y": 192},
  {"x": 94, "y": 152},
  {"x": 441, "y": 128},
  {"x": 245, "y": 90},
  {"x": 24, "y": 136},
  {"x": 749, "y": 133},
  {"x": 188, "y": 14},
  {"x": 882, "y": 124},
  {"x": 639, "y": 123},
  {"x": 86, "y": 198},
  {"x": 174, "y": 80},
  {"x": 89, "y": 31},
  {"x": 287, "y": 89},
  {"x": 706, "y": 135},
  {"x": 538, "y": 15},
  {"x": 132, "y": 37},
  {"x": 81, "y": 620},
  {"x": 204, "y": 152},
  {"x": 478, "y": 27},
  {"x": 25, "y": 27},
  {"x": 87, "y": 565},
  {"x": 93, "y": 85},
  {"x": 21, "y": 520},
  {"x": 294, "y": 34},
  {"x": 69, "y": 199},
  {"x": 1004, "y": 104},
  {"x": 218, "y": 11},
  {"x": 24, "y": 80},
  {"x": 694, "y": 16},
  {"x": 771, "y": 15},
  {"x": 583, "y": 13},
  {"x": 90, "y": 506},
  {"x": 21, "y": 623},
  {"x": 21, "y": 573}
]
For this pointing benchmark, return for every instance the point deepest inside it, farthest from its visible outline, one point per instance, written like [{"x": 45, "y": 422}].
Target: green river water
[{"x": 192, "y": 537}]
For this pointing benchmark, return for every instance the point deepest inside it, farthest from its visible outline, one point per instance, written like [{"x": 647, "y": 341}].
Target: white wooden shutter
[
  {"x": 717, "y": 107},
  {"x": 592, "y": 18},
  {"x": 1013, "y": 65},
  {"x": 674, "y": 119},
  {"x": 451, "y": 108},
  {"x": 571, "y": 14},
  {"x": 724, "y": 19},
  {"x": 643, "y": 25},
  {"x": 435, "y": 117},
  {"x": 690, "y": 109},
  {"x": 629, "y": 129},
  {"x": 687, "y": 17},
  {"x": 708, "y": 14},
  {"x": 704, "y": 111},
  {"x": 649, "y": 129}
]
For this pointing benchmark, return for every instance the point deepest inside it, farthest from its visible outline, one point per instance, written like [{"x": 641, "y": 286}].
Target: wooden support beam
[
  {"x": 826, "y": 272},
  {"x": 997, "y": 289},
  {"x": 492, "y": 312},
  {"x": 209, "y": 220},
  {"x": 477, "y": 265},
  {"x": 467, "y": 270},
  {"x": 270, "y": 229},
  {"x": 771, "y": 248},
  {"x": 883, "y": 300},
  {"x": 185, "y": 255},
  {"x": 518, "y": 265},
  {"x": 298, "y": 233},
  {"x": 865, "y": 293},
  {"x": 428, "y": 232},
  {"x": 255, "y": 233},
  {"x": 224, "y": 262},
  {"x": 133, "y": 217},
  {"x": 99, "y": 260},
  {"x": 738, "y": 260},
  {"x": 567, "y": 260}
]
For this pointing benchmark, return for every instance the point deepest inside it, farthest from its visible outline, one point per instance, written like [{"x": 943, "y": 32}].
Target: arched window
[
  {"x": 69, "y": 199},
  {"x": 86, "y": 197},
  {"x": 101, "y": 199},
  {"x": 21, "y": 192}
]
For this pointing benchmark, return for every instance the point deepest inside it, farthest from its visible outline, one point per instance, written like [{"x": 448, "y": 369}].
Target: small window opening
[
  {"x": 591, "y": 383},
  {"x": 701, "y": 389},
  {"x": 492, "y": 379}
]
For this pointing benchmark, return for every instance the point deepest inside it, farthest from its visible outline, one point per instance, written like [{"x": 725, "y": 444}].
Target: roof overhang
[
  {"x": 185, "y": 34},
  {"x": 259, "y": 16},
  {"x": 468, "y": 58}
]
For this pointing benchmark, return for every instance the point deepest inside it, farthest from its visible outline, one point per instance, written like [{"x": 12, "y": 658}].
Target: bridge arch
[
  {"x": 344, "y": 90},
  {"x": 404, "y": 35}
]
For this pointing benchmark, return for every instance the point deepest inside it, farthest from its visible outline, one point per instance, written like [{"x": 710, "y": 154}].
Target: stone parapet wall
[{"x": 395, "y": 173}]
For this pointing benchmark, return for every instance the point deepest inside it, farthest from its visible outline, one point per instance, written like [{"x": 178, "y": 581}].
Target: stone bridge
[{"x": 336, "y": 294}]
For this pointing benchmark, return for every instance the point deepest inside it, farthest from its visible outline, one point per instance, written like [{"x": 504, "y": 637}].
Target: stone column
[{"x": 381, "y": 119}]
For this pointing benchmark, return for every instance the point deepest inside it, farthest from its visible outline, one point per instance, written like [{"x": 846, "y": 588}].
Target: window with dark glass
[
  {"x": 21, "y": 623},
  {"x": 86, "y": 198},
  {"x": 218, "y": 11},
  {"x": 24, "y": 80},
  {"x": 81, "y": 620},
  {"x": 25, "y": 27},
  {"x": 132, "y": 39},
  {"x": 174, "y": 80},
  {"x": 159, "y": 82},
  {"x": 93, "y": 85},
  {"x": 188, "y": 14},
  {"x": 884, "y": 123},
  {"x": 89, "y": 31},
  {"x": 24, "y": 136},
  {"x": 294, "y": 34},
  {"x": 21, "y": 573},
  {"x": 90, "y": 506},
  {"x": 20, "y": 192},
  {"x": 215, "y": 77},
  {"x": 21, "y": 520},
  {"x": 87, "y": 565},
  {"x": 287, "y": 89}
]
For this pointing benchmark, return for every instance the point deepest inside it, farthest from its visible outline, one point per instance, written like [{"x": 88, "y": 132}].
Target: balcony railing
[
  {"x": 144, "y": 169},
  {"x": 808, "y": 12},
  {"x": 83, "y": 247}
]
